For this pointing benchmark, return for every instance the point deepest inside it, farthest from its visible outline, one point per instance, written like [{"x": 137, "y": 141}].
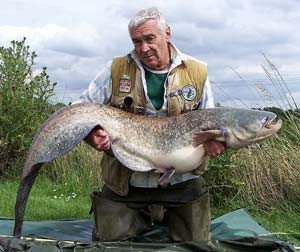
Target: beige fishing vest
[{"x": 127, "y": 82}]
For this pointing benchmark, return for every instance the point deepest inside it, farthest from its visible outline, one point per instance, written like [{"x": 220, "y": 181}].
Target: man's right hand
[
  {"x": 99, "y": 139},
  {"x": 214, "y": 148}
]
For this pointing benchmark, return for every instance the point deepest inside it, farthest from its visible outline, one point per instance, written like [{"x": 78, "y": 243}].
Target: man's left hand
[{"x": 214, "y": 148}]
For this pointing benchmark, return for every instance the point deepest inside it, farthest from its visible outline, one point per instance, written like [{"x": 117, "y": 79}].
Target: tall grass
[
  {"x": 79, "y": 167},
  {"x": 267, "y": 174}
]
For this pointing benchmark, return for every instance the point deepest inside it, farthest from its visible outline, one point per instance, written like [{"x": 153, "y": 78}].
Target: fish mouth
[
  {"x": 272, "y": 123},
  {"x": 270, "y": 127}
]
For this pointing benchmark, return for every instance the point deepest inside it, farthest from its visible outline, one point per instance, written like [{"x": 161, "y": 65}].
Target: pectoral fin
[
  {"x": 166, "y": 177},
  {"x": 201, "y": 137}
]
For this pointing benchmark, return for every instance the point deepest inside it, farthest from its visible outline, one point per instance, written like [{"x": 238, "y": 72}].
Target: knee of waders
[
  {"x": 114, "y": 220},
  {"x": 191, "y": 222}
]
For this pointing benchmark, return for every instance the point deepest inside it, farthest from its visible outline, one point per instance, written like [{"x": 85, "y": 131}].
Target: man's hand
[
  {"x": 99, "y": 139},
  {"x": 214, "y": 148}
]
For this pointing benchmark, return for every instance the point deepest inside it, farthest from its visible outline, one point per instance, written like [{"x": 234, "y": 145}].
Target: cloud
[
  {"x": 83, "y": 41},
  {"x": 74, "y": 39},
  {"x": 67, "y": 52}
]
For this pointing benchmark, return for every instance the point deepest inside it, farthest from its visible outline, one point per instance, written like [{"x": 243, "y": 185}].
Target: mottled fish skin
[{"x": 140, "y": 143}]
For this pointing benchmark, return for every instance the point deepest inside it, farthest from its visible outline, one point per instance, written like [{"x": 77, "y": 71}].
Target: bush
[{"x": 23, "y": 102}]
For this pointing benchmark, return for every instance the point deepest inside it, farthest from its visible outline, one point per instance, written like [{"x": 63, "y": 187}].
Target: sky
[{"x": 252, "y": 47}]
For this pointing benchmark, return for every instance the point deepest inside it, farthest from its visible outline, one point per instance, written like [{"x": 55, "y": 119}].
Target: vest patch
[
  {"x": 125, "y": 84},
  {"x": 189, "y": 92}
]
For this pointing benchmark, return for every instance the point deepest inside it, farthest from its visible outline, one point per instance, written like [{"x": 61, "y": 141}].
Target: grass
[
  {"x": 283, "y": 222},
  {"x": 47, "y": 200}
]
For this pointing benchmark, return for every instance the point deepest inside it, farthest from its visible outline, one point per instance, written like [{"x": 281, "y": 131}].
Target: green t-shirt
[{"x": 156, "y": 87}]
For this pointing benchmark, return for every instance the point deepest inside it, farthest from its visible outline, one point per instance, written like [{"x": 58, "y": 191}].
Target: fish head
[{"x": 245, "y": 127}]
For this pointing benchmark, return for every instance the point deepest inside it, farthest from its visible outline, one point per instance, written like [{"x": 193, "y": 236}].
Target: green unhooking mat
[{"x": 235, "y": 231}]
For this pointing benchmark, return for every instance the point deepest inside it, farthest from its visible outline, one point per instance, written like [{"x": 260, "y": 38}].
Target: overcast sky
[{"x": 74, "y": 39}]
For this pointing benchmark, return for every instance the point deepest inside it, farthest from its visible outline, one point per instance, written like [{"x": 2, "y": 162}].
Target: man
[{"x": 155, "y": 79}]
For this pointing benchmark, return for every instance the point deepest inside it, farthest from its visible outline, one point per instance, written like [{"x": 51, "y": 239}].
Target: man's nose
[{"x": 145, "y": 47}]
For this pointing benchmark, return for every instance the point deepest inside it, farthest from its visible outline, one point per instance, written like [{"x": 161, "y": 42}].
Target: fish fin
[
  {"x": 166, "y": 177},
  {"x": 201, "y": 137},
  {"x": 130, "y": 158}
]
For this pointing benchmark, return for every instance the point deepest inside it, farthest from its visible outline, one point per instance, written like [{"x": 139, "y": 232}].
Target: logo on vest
[
  {"x": 189, "y": 92},
  {"x": 125, "y": 84}
]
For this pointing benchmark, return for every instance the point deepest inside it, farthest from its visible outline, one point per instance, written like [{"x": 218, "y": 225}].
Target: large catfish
[{"x": 142, "y": 143}]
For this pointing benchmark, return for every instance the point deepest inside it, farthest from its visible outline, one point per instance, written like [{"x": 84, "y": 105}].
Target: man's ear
[{"x": 168, "y": 34}]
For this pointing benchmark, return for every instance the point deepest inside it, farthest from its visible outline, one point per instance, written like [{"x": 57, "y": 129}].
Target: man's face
[{"x": 151, "y": 45}]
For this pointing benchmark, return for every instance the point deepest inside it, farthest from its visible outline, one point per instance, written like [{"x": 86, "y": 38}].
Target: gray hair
[{"x": 146, "y": 14}]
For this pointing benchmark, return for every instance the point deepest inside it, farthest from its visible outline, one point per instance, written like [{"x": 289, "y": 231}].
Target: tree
[{"x": 24, "y": 101}]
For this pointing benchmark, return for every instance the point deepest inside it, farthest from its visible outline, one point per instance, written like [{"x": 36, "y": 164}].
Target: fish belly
[{"x": 183, "y": 160}]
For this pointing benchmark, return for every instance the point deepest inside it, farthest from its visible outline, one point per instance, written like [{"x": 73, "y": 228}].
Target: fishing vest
[{"x": 184, "y": 89}]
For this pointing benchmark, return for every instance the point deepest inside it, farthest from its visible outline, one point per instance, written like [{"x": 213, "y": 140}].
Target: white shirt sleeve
[
  {"x": 100, "y": 88},
  {"x": 207, "y": 99}
]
